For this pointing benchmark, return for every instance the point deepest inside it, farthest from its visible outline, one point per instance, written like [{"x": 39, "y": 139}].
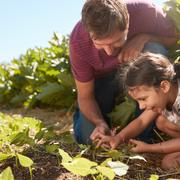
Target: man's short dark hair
[{"x": 102, "y": 18}]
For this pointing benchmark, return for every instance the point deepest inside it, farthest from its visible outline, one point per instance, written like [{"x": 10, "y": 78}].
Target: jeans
[{"x": 106, "y": 90}]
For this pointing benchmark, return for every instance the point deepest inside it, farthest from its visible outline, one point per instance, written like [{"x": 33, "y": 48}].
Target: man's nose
[{"x": 108, "y": 50}]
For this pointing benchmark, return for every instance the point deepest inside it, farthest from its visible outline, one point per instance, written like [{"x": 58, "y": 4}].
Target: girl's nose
[{"x": 142, "y": 106}]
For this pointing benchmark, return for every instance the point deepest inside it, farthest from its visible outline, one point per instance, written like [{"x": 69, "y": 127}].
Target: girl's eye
[{"x": 142, "y": 100}]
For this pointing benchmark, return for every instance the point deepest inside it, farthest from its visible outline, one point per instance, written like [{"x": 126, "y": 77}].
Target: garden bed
[{"x": 48, "y": 165}]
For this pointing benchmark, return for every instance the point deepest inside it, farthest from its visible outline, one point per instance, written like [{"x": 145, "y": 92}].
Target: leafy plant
[
  {"x": 7, "y": 174},
  {"x": 41, "y": 77},
  {"x": 108, "y": 169},
  {"x": 123, "y": 112},
  {"x": 25, "y": 162},
  {"x": 16, "y": 134},
  {"x": 84, "y": 167},
  {"x": 172, "y": 9}
]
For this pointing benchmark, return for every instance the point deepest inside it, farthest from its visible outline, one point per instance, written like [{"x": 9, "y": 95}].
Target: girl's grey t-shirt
[{"x": 174, "y": 115}]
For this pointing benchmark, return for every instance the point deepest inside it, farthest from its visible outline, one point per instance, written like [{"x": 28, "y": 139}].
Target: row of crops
[{"x": 41, "y": 77}]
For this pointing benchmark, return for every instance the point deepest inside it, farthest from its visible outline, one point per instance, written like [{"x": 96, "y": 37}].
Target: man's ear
[{"x": 165, "y": 86}]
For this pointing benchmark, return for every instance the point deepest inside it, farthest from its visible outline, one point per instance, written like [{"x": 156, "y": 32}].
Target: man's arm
[
  {"x": 134, "y": 46},
  {"x": 87, "y": 102},
  {"x": 165, "y": 40},
  {"x": 90, "y": 108}
]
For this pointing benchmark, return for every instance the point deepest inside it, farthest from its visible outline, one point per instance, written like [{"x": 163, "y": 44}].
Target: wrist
[
  {"x": 146, "y": 38},
  {"x": 102, "y": 123},
  {"x": 121, "y": 137},
  {"x": 159, "y": 148}
]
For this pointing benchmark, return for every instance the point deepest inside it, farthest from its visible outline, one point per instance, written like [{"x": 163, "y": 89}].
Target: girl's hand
[{"x": 140, "y": 146}]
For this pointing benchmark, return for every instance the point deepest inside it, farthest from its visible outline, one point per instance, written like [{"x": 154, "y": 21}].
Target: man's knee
[{"x": 82, "y": 128}]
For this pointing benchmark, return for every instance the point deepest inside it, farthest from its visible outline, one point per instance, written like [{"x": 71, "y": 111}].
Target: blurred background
[{"x": 30, "y": 24}]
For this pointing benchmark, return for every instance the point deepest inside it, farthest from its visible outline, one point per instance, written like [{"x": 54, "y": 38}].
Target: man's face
[
  {"x": 149, "y": 98},
  {"x": 113, "y": 44}
]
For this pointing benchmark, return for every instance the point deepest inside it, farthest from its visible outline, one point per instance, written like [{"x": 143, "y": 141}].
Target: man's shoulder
[
  {"x": 139, "y": 5},
  {"x": 144, "y": 9},
  {"x": 138, "y": 2},
  {"x": 79, "y": 33}
]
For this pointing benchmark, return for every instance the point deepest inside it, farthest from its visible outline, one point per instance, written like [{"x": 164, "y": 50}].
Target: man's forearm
[
  {"x": 90, "y": 110},
  {"x": 166, "y": 41}
]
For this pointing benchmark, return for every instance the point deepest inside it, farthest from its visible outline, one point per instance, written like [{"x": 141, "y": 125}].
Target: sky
[{"x": 29, "y": 24}]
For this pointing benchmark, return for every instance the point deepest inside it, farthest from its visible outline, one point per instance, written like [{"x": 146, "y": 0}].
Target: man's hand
[
  {"x": 100, "y": 129},
  {"x": 140, "y": 147},
  {"x": 133, "y": 48},
  {"x": 109, "y": 141}
]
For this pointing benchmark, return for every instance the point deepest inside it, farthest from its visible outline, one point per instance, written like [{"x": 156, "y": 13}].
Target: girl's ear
[{"x": 165, "y": 86}]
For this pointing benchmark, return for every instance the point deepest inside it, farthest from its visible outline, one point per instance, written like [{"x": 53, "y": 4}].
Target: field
[{"x": 47, "y": 162}]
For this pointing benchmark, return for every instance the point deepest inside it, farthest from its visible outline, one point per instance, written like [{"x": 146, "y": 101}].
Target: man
[{"x": 111, "y": 32}]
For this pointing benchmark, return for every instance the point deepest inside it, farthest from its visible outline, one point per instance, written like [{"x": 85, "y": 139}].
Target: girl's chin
[{"x": 158, "y": 110}]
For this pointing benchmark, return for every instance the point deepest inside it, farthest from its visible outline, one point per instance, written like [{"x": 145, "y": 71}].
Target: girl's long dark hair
[
  {"x": 150, "y": 69},
  {"x": 177, "y": 70}
]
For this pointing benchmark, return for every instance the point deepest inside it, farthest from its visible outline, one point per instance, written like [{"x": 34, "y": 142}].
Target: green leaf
[
  {"x": 67, "y": 138},
  {"x": 106, "y": 171},
  {"x": 104, "y": 163},
  {"x": 33, "y": 123},
  {"x": 154, "y": 177},
  {"x": 65, "y": 156},
  {"x": 118, "y": 167},
  {"x": 48, "y": 89},
  {"x": 7, "y": 174},
  {"x": 81, "y": 166},
  {"x": 51, "y": 148},
  {"x": 4, "y": 156},
  {"x": 52, "y": 72},
  {"x": 24, "y": 160},
  {"x": 17, "y": 99},
  {"x": 172, "y": 9},
  {"x": 115, "y": 154},
  {"x": 21, "y": 138},
  {"x": 123, "y": 113}
]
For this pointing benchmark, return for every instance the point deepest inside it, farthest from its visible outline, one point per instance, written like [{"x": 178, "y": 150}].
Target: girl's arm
[
  {"x": 130, "y": 131},
  {"x": 166, "y": 147},
  {"x": 137, "y": 126}
]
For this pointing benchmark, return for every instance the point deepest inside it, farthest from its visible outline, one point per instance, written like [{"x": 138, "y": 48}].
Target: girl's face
[{"x": 150, "y": 98}]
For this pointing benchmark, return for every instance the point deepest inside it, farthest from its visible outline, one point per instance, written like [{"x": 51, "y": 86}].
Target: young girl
[{"x": 155, "y": 84}]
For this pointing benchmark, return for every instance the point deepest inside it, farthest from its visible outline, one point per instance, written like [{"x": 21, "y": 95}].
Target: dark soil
[{"x": 47, "y": 166}]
